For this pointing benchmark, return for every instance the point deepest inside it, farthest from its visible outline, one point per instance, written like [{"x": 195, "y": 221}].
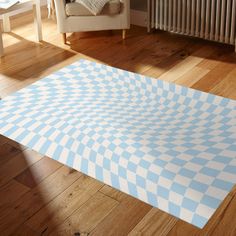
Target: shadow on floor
[
  {"x": 26, "y": 59},
  {"x": 160, "y": 49},
  {"x": 28, "y": 183}
]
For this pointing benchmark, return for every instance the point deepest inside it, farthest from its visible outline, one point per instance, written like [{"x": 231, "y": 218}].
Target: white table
[{"x": 23, "y": 4}]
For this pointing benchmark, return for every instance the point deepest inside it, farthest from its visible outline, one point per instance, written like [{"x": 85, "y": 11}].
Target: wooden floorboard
[
  {"x": 71, "y": 199},
  {"x": 39, "y": 196}
]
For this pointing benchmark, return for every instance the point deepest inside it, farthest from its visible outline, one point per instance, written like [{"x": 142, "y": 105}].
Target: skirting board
[{"x": 138, "y": 18}]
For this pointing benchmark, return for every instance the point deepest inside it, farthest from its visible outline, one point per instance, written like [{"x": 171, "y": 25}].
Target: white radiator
[{"x": 208, "y": 19}]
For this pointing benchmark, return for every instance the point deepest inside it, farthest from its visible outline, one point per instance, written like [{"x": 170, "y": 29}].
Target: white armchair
[{"x": 73, "y": 17}]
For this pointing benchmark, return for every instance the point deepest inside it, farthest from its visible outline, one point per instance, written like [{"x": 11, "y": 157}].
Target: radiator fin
[{"x": 208, "y": 19}]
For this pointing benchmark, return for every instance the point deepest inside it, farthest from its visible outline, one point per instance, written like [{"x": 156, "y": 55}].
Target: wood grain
[
  {"x": 3, "y": 140},
  {"x": 88, "y": 216},
  {"x": 10, "y": 192},
  {"x": 72, "y": 198},
  {"x": 7, "y": 152},
  {"x": 25, "y": 231},
  {"x": 155, "y": 222},
  {"x": 40, "y": 170},
  {"x": 17, "y": 164},
  {"x": 25, "y": 207},
  {"x": 123, "y": 218}
]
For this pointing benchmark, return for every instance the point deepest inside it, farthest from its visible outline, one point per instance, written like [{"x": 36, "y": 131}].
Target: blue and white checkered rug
[{"x": 167, "y": 145}]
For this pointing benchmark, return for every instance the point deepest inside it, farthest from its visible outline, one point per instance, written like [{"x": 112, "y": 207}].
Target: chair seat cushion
[{"x": 76, "y": 9}]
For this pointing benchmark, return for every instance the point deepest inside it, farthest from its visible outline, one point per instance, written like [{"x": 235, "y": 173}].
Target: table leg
[
  {"x": 6, "y": 23},
  {"x": 148, "y": 16},
  {"x": 53, "y": 9},
  {"x": 49, "y": 8},
  {"x": 1, "y": 43},
  {"x": 37, "y": 20}
]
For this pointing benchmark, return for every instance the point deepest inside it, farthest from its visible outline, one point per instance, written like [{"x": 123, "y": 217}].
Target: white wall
[
  {"x": 139, "y": 12},
  {"x": 139, "y": 5}
]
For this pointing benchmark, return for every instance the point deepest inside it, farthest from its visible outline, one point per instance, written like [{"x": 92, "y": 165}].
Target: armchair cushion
[{"x": 76, "y": 9}]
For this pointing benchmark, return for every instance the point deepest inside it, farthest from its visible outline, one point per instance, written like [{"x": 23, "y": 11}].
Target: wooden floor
[{"x": 39, "y": 196}]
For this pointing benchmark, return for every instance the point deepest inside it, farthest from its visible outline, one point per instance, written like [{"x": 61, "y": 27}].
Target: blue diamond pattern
[{"x": 170, "y": 146}]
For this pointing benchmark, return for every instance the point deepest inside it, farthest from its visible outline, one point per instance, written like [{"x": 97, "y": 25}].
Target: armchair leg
[
  {"x": 64, "y": 37},
  {"x": 123, "y": 34}
]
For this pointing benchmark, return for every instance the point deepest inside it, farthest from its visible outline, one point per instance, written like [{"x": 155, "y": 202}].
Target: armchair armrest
[
  {"x": 126, "y": 12},
  {"x": 60, "y": 13}
]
